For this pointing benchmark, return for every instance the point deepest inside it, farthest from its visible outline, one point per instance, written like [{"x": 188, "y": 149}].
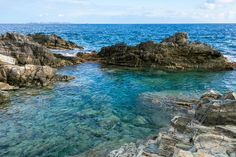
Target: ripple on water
[{"x": 102, "y": 108}]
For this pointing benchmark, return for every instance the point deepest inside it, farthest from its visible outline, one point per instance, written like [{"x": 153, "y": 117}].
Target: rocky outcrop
[
  {"x": 7, "y": 87},
  {"x": 30, "y": 75},
  {"x": 188, "y": 136},
  {"x": 53, "y": 42},
  {"x": 4, "y": 97},
  {"x": 26, "y": 51},
  {"x": 175, "y": 52}
]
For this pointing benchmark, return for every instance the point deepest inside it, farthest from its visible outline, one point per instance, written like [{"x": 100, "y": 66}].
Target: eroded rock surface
[
  {"x": 175, "y": 52},
  {"x": 53, "y": 42},
  {"x": 26, "y": 51},
  {"x": 188, "y": 136},
  {"x": 30, "y": 75}
]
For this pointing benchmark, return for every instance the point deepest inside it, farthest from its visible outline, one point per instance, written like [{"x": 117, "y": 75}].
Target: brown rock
[
  {"x": 53, "y": 42},
  {"x": 175, "y": 52},
  {"x": 26, "y": 51}
]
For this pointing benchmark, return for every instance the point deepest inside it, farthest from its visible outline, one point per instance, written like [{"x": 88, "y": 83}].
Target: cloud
[{"x": 213, "y": 4}]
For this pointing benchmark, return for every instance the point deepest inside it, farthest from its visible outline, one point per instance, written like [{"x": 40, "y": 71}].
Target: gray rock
[
  {"x": 30, "y": 75},
  {"x": 230, "y": 96}
]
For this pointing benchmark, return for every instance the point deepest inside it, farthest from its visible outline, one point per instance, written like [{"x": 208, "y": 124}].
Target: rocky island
[{"x": 175, "y": 52}]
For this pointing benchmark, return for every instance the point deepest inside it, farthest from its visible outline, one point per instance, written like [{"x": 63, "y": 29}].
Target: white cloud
[{"x": 213, "y": 4}]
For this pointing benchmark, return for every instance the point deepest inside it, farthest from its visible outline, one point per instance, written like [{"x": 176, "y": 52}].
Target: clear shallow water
[{"x": 104, "y": 107}]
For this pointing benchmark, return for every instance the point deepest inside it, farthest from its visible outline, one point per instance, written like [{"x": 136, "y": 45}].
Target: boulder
[
  {"x": 53, "y": 42},
  {"x": 25, "y": 51},
  {"x": 30, "y": 75},
  {"x": 7, "y": 87},
  {"x": 230, "y": 96},
  {"x": 175, "y": 52},
  {"x": 4, "y": 97},
  {"x": 222, "y": 114},
  {"x": 180, "y": 123}
]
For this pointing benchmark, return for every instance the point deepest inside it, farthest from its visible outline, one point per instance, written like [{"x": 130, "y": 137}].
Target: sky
[{"x": 117, "y": 11}]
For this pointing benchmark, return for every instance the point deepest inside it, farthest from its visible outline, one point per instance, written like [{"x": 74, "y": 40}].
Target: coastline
[{"x": 48, "y": 76}]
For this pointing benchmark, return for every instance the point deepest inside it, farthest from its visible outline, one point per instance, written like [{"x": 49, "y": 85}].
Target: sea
[{"x": 106, "y": 107}]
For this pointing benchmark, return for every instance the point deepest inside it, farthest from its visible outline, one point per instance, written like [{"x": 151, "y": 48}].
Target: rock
[
  {"x": 7, "y": 60},
  {"x": 7, "y": 87},
  {"x": 167, "y": 145},
  {"x": 230, "y": 96},
  {"x": 29, "y": 75},
  {"x": 214, "y": 144},
  {"x": 180, "y": 123},
  {"x": 211, "y": 95},
  {"x": 227, "y": 130},
  {"x": 93, "y": 56},
  {"x": 182, "y": 153},
  {"x": 175, "y": 52},
  {"x": 53, "y": 42},
  {"x": 25, "y": 51},
  {"x": 224, "y": 114},
  {"x": 4, "y": 97}
]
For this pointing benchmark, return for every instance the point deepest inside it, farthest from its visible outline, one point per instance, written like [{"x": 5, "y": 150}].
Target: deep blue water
[
  {"x": 105, "y": 107},
  {"x": 93, "y": 37}
]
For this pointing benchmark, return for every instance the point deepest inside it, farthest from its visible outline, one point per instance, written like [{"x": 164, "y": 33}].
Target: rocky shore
[
  {"x": 207, "y": 130},
  {"x": 175, "y": 52},
  {"x": 26, "y": 61}
]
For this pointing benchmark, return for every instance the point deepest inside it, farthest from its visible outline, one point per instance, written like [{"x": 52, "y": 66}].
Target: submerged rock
[
  {"x": 53, "y": 42},
  {"x": 175, "y": 52},
  {"x": 189, "y": 137},
  {"x": 4, "y": 97},
  {"x": 29, "y": 75},
  {"x": 25, "y": 51}
]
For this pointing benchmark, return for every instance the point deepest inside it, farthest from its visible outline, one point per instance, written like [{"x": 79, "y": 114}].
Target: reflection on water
[{"x": 102, "y": 108}]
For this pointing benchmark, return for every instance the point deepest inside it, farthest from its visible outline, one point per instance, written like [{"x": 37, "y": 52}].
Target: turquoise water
[{"x": 105, "y": 107}]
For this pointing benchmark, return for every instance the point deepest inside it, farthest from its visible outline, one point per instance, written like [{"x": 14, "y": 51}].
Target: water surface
[{"x": 105, "y": 107}]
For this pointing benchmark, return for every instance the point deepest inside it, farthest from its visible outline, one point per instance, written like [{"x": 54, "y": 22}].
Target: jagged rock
[
  {"x": 26, "y": 51},
  {"x": 93, "y": 56},
  {"x": 211, "y": 95},
  {"x": 4, "y": 97},
  {"x": 7, "y": 87},
  {"x": 29, "y": 75},
  {"x": 180, "y": 123},
  {"x": 53, "y": 42},
  {"x": 175, "y": 52},
  {"x": 7, "y": 59},
  {"x": 215, "y": 144},
  {"x": 230, "y": 95},
  {"x": 227, "y": 130},
  {"x": 223, "y": 114},
  {"x": 167, "y": 145}
]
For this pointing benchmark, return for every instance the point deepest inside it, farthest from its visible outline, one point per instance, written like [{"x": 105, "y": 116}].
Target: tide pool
[{"x": 103, "y": 108}]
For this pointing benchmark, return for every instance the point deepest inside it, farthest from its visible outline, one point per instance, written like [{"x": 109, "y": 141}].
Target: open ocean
[{"x": 105, "y": 107}]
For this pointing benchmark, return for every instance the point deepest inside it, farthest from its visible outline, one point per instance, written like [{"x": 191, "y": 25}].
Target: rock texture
[
  {"x": 188, "y": 136},
  {"x": 4, "y": 97},
  {"x": 175, "y": 52},
  {"x": 26, "y": 51},
  {"x": 53, "y": 42},
  {"x": 29, "y": 75}
]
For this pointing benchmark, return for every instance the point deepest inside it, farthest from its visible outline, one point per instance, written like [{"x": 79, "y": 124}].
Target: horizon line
[{"x": 28, "y": 23}]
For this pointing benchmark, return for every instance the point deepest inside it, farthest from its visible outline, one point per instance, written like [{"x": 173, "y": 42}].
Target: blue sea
[{"x": 106, "y": 107}]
